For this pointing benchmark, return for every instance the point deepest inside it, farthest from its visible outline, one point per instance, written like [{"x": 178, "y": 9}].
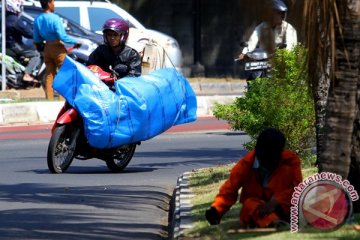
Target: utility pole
[
  {"x": 197, "y": 69},
  {"x": 3, "y": 46}
]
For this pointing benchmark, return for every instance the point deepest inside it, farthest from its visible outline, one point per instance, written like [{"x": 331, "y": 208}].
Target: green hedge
[{"x": 283, "y": 101}]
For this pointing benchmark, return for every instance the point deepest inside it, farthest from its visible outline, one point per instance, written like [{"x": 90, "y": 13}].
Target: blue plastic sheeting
[{"x": 140, "y": 108}]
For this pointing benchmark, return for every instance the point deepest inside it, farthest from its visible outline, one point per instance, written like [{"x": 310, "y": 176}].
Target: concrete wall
[{"x": 222, "y": 26}]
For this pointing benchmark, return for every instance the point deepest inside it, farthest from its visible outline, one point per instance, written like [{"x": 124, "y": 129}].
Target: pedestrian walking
[{"x": 49, "y": 28}]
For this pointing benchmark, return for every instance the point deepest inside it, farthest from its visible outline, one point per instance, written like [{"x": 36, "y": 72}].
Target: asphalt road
[{"x": 89, "y": 202}]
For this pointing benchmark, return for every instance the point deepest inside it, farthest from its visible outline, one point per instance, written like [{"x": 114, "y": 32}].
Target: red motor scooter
[{"x": 68, "y": 140}]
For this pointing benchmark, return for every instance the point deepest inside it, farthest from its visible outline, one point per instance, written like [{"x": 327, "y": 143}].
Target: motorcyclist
[
  {"x": 16, "y": 29},
  {"x": 114, "y": 52},
  {"x": 276, "y": 33}
]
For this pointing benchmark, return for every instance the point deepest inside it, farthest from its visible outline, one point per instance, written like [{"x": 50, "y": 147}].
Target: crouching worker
[{"x": 266, "y": 176}]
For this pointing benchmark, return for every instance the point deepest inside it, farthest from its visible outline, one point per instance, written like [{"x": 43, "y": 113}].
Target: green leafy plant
[{"x": 282, "y": 100}]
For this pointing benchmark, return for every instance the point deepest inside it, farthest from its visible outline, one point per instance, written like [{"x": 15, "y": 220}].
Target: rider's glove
[{"x": 122, "y": 69}]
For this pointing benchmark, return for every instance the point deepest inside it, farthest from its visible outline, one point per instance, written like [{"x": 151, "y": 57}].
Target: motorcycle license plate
[{"x": 256, "y": 65}]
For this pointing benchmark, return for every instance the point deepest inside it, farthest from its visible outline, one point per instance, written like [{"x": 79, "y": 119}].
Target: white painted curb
[
  {"x": 182, "y": 214},
  {"x": 46, "y": 112}
]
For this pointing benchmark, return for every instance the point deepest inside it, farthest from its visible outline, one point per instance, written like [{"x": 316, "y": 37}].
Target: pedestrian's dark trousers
[{"x": 28, "y": 52}]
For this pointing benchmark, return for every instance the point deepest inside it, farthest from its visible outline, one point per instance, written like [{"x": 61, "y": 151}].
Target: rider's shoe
[{"x": 28, "y": 78}]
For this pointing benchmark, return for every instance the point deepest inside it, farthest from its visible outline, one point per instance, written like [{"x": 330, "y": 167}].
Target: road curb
[
  {"x": 29, "y": 113},
  {"x": 182, "y": 212}
]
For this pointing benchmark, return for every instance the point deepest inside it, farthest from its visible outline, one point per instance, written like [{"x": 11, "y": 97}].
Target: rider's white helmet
[
  {"x": 279, "y": 5},
  {"x": 14, "y": 6}
]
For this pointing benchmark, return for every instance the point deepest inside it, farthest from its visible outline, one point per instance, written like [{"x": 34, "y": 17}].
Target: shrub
[{"x": 282, "y": 101}]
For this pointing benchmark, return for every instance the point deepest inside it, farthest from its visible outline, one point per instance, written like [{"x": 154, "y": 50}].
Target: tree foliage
[{"x": 282, "y": 100}]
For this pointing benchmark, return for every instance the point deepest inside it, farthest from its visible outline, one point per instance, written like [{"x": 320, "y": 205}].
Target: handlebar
[
  {"x": 76, "y": 45},
  {"x": 113, "y": 72}
]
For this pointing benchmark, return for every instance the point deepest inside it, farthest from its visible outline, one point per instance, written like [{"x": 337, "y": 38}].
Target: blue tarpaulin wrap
[{"x": 140, "y": 108}]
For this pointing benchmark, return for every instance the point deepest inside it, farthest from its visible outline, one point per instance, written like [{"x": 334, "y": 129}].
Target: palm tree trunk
[
  {"x": 355, "y": 159},
  {"x": 341, "y": 110},
  {"x": 320, "y": 99},
  {"x": 342, "y": 107}
]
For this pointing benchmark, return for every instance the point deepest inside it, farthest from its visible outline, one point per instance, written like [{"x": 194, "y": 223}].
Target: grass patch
[{"x": 205, "y": 184}]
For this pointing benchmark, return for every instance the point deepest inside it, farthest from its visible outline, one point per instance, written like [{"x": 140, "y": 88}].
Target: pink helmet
[{"x": 118, "y": 25}]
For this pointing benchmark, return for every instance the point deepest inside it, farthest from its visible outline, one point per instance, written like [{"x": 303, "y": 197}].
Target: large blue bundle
[{"x": 141, "y": 108}]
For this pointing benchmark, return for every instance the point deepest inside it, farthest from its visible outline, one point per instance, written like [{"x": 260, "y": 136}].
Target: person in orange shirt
[{"x": 267, "y": 176}]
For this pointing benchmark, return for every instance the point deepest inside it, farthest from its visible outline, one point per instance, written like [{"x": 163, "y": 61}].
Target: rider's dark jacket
[
  {"x": 16, "y": 29},
  {"x": 103, "y": 56}
]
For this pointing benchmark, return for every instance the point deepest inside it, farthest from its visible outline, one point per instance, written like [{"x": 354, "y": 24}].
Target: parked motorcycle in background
[
  {"x": 15, "y": 67},
  {"x": 15, "y": 72}
]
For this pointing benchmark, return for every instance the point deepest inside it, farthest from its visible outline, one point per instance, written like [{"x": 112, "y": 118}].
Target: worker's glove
[
  {"x": 212, "y": 216},
  {"x": 267, "y": 208}
]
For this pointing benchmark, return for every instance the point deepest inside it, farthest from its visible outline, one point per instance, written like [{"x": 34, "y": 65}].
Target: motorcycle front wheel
[
  {"x": 121, "y": 158},
  {"x": 61, "y": 149}
]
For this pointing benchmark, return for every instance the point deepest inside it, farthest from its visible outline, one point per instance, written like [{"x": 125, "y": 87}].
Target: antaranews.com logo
[{"x": 322, "y": 201}]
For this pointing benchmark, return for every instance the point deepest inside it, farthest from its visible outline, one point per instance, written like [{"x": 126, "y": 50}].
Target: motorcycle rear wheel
[
  {"x": 122, "y": 158},
  {"x": 61, "y": 149}
]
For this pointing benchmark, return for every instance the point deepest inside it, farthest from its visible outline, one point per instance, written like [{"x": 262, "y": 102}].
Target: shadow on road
[
  {"x": 41, "y": 211},
  {"x": 94, "y": 170},
  {"x": 194, "y": 157}
]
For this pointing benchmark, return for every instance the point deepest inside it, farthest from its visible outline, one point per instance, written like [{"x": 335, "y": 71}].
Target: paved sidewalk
[{"x": 33, "y": 108}]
